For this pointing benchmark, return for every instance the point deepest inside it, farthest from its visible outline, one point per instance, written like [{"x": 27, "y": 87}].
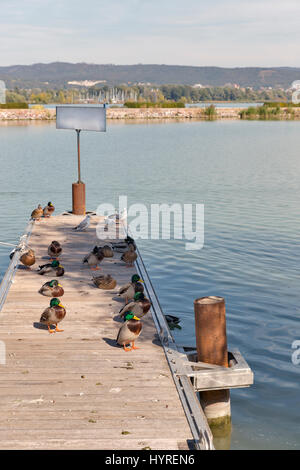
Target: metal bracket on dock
[
  {"x": 11, "y": 270},
  {"x": 211, "y": 377}
]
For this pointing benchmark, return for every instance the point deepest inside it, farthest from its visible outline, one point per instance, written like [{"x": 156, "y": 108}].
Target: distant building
[
  {"x": 232, "y": 85},
  {"x": 86, "y": 83},
  {"x": 197, "y": 85}
]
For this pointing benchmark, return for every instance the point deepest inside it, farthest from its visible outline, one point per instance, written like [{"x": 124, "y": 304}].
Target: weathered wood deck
[{"x": 77, "y": 389}]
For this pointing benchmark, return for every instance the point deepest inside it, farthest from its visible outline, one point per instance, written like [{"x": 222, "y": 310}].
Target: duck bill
[{"x": 135, "y": 318}]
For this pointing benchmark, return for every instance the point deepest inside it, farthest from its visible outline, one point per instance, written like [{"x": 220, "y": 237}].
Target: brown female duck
[
  {"x": 105, "y": 282},
  {"x": 129, "y": 257},
  {"x": 28, "y": 258},
  {"x": 37, "y": 213}
]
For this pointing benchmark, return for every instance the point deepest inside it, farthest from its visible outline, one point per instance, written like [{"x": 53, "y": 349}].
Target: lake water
[{"x": 247, "y": 175}]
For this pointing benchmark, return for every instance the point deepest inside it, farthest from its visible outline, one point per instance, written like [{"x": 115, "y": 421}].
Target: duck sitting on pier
[
  {"x": 37, "y": 213},
  {"x": 105, "y": 282},
  {"x": 129, "y": 257},
  {"x": 128, "y": 290},
  {"x": 94, "y": 258},
  {"x": 121, "y": 247},
  {"x": 129, "y": 331},
  {"x": 54, "y": 250},
  {"x": 53, "y": 315},
  {"x": 107, "y": 251},
  {"x": 52, "y": 289},
  {"x": 28, "y": 258},
  {"x": 48, "y": 210},
  {"x": 139, "y": 306},
  {"x": 54, "y": 268}
]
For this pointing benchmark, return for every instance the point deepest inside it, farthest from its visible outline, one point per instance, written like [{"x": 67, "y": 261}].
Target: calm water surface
[{"x": 247, "y": 174}]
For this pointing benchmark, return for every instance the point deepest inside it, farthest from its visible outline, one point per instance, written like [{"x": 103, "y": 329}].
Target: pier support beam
[{"x": 211, "y": 339}]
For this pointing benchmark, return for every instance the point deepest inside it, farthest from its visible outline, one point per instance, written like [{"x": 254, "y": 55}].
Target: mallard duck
[
  {"x": 128, "y": 290},
  {"x": 139, "y": 306},
  {"x": 54, "y": 268},
  {"x": 129, "y": 257},
  {"x": 107, "y": 251},
  {"x": 172, "y": 319},
  {"x": 105, "y": 282},
  {"x": 36, "y": 214},
  {"x": 28, "y": 258},
  {"x": 49, "y": 209},
  {"x": 53, "y": 314},
  {"x": 129, "y": 332},
  {"x": 94, "y": 258},
  {"x": 121, "y": 247},
  {"x": 52, "y": 289},
  {"x": 54, "y": 250}
]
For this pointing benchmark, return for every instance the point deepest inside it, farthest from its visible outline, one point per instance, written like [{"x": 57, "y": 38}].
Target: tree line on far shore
[{"x": 150, "y": 94}]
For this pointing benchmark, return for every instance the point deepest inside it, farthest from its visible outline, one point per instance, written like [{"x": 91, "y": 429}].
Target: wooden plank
[{"x": 79, "y": 382}]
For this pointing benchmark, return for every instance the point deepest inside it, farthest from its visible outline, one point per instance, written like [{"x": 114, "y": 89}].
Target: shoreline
[{"x": 140, "y": 114}]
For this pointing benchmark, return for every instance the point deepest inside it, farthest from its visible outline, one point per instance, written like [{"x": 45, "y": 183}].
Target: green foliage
[
  {"x": 261, "y": 112},
  {"x": 14, "y": 97},
  {"x": 210, "y": 112},
  {"x": 225, "y": 93},
  {"x": 14, "y": 106},
  {"x": 281, "y": 104},
  {"x": 149, "y": 104}
]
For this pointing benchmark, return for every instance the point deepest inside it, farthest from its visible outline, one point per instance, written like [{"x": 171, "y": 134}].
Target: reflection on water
[{"x": 247, "y": 175}]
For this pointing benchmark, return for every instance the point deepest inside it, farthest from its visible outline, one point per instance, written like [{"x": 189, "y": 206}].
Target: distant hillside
[{"x": 58, "y": 74}]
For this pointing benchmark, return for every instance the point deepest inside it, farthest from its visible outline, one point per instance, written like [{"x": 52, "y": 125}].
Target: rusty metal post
[
  {"x": 78, "y": 198},
  {"x": 78, "y": 189},
  {"x": 211, "y": 339}
]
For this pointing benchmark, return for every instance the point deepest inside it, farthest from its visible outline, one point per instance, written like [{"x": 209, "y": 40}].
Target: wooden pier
[{"x": 77, "y": 389}]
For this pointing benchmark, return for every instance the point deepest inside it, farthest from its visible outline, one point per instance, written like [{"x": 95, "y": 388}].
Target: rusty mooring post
[
  {"x": 78, "y": 198},
  {"x": 211, "y": 339},
  {"x": 78, "y": 189}
]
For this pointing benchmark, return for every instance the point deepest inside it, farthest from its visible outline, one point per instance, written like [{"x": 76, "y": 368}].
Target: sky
[{"x": 225, "y": 33}]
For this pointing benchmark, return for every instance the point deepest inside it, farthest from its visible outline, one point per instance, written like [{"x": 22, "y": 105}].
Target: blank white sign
[{"x": 86, "y": 118}]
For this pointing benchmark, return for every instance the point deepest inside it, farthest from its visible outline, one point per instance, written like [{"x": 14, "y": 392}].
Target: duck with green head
[
  {"x": 128, "y": 290},
  {"x": 52, "y": 289},
  {"x": 139, "y": 306},
  {"x": 53, "y": 315},
  {"x": 54, "y": 268},
  {"x": 129, "y": 331},
  {"x": 48, "y": 210}
]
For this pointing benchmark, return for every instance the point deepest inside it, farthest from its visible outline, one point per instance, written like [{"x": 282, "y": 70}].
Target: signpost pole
[
  {"x": 78, "y": 153},
  {"x": 78, "y": 118},
  {"x": 78, "y": 189}
]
